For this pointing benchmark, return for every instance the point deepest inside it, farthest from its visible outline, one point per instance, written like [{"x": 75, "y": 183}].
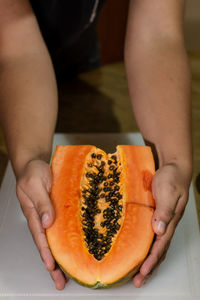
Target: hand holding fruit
[
  {"x": 170, "y": 189},
  {"x": 33, "y": 187}
]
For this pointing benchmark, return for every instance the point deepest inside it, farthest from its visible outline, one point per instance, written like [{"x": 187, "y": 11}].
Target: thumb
[
  {"x": 44, "y": 208},
  {"x": 166, "y": 199}
]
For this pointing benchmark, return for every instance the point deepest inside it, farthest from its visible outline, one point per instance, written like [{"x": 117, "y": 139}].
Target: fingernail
[
  {"x": 161, "y": 227},
  {"x": 45, "y": 219}
]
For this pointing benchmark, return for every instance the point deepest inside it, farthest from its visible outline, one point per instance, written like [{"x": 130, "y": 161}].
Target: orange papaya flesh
[{"x": 103, "y": 206}]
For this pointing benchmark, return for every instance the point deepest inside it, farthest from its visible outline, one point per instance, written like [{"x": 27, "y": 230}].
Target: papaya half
[{"x": 103, "y": 206}]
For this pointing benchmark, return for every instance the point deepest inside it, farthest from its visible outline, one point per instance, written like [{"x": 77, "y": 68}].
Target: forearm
[
  {"x": 159, "y": 85},
  {"x": 28, "y": 107}
]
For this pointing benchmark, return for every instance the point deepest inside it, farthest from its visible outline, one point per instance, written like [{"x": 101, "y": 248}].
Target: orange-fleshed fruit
[{"x": 103, "y": 209}]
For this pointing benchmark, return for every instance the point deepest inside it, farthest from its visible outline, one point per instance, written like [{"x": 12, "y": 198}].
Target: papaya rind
[{"x": 100, "y": 285}]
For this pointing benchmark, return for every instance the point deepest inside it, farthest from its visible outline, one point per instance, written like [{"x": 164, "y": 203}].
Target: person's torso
[
  {"x": 68, "y": 28},
  {"x": 64, "y": 20}
]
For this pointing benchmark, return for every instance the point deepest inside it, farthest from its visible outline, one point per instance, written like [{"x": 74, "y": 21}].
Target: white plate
[{"x": 22, "y": 272}]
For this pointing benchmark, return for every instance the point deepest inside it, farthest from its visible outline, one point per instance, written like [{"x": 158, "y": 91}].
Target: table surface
[{"x": 23, "y": 274}]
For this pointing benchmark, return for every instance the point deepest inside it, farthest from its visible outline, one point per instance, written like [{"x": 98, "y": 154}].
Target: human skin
[{"x": 157, "y": 72}]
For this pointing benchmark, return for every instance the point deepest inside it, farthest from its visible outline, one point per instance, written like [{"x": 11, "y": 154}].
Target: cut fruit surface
[{"x": 103, "y": 206}]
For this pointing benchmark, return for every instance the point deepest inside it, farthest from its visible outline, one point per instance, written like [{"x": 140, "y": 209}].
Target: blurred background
[{"x": 103, "y": 92}]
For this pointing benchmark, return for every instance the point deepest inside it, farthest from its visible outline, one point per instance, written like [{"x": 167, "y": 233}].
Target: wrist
[
  {"x": 170, "y": 155},
  {"x": 177, "y": 158},
  {"x": 182, "y": 161},
  {"x": 24, "y": 157}
]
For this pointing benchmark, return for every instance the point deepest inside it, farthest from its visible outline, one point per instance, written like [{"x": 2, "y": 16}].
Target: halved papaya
[{"x": 103, "y": 205}]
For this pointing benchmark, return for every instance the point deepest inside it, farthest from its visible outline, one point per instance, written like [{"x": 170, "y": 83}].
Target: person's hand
[
  {"x": 170, "y": 189},
  {"x": 33, "y": 187}
]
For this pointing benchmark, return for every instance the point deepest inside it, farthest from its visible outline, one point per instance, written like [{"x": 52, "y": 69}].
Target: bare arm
[
  {"x": 28, "y": 112},
  {"x": 159, "y": 84},
  {"x": 28, "y": 92},
  {"x": 159, "y": 76}
]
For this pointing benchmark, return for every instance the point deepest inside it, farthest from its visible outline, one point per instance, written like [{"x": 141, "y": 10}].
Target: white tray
[{"x": 22, "y": 272}]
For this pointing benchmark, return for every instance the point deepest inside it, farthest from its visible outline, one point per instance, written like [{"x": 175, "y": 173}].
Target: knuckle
[
  {"x": 165, "y": 189},
  {"x": 169, "y": 188},
  {"x": 167, "y": 214},
  {"x": 26, "y": 184},
  {"x": 32, "y": 182},
  {"x": 40, "y": 208}
]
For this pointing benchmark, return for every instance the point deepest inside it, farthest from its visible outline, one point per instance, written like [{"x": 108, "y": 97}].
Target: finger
[
  {"x": 43, "y": 206},
  {"x": 154, "y": 259},
  {"x": 59, "y": 278},
  {"x": 39, "y": 196},
  {"x": 180, "y": 208},
  {"x": 159, "y": 262},
  {"x": 140, "y": 279},
  {"x": 166, "y": 196},
  {"x": 159, "y": 248},
  {"x": 38, "y": 234},
  {"x": 158, "y": 252}
]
